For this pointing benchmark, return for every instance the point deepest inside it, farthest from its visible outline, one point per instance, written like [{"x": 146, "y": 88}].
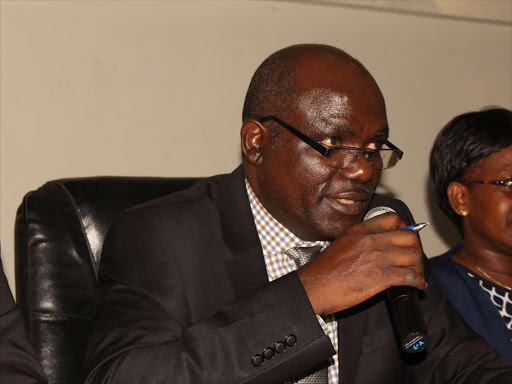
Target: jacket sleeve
[{"x": 152, "y": 327}]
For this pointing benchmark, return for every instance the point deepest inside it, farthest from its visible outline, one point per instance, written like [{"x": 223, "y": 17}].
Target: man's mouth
[
  {"x": 350, "y": 203},
  {"x": 353, "y": 196},
  {"x": 346, "y": 201}
]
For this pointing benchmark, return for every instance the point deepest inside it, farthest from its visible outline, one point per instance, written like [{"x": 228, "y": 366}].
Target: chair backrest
[{"x": 59, "y": 233}]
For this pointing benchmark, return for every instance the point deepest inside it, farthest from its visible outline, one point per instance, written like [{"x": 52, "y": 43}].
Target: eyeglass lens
[{"x": 346, "y": 158}]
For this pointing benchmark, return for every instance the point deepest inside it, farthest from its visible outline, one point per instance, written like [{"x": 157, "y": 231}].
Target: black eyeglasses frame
[{"x": 324, "y": 151}]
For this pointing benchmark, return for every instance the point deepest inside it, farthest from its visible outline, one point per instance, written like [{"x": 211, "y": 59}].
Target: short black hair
[
  {"x": 273, "y": 88},
  {"x": 462, "y": 142},
  {"x": 271, "y": 84}
]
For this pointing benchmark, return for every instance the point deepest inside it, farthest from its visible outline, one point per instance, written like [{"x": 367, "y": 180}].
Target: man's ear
[
  {"x": 254, "y": 138},
  {"x": 458, "y": 198}
]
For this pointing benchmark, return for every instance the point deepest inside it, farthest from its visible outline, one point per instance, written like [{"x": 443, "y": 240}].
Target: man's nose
[{"x": 361, "y": 170}]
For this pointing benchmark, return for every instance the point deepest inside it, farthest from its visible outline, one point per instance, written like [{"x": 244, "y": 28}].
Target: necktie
[{"x": 301, "y": 256}]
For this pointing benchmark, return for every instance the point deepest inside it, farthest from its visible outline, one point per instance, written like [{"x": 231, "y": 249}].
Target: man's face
[{"x": 312, "y": 199}]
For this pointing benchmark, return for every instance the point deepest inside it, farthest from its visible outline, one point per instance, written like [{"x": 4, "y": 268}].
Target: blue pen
[{"x": 416, "y": 227}]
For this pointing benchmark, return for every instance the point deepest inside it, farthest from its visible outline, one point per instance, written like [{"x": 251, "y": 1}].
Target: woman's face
[{"x": 489, "y": 207}]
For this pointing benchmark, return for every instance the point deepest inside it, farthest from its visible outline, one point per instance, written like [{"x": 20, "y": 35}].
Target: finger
[
  {"x": 403, "y": 276},
  {"x": 400, "y": 237},
  {"x": 406, "y": 257},
  {"x": 384, "y": 222}
]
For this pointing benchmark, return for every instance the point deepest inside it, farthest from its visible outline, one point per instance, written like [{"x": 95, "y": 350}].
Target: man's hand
[{"x": 370, "y": 257}]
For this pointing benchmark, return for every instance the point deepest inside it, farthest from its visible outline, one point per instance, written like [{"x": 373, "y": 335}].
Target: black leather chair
[{"x": 59, "y": 233}]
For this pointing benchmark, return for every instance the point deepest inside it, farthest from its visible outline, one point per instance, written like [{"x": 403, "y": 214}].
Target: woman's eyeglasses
[{"x": 503, "y": 183}]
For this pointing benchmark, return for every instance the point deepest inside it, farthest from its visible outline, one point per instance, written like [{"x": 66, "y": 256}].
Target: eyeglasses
[
  {"x": 341, "y": 156},
  {"x": 503, "y": 183}
]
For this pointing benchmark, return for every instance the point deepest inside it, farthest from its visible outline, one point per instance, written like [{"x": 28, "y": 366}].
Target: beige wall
[{"x": 156, "y": 88}]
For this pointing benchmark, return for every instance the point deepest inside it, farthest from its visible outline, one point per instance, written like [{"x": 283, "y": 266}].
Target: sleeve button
[
  {"x": 257, "y": 360},
  {"x": 280, "y": 347},
  {"x": 291, "y": 340},
  {"x": 268, "y": 353}
]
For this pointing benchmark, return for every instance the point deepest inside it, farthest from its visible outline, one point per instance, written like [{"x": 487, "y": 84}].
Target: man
[
  {"x": 18, "y": 362},
  {"x": 200, "y": 287}
]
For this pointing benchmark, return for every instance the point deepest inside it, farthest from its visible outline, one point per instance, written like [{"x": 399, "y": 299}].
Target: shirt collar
[{"x": 274, "y": 237}]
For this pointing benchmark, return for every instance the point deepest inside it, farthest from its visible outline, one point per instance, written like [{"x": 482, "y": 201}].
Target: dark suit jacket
[
  {"x": 18, "y": 362},
  {"x": 186, "y": 299},
  {"x": 472, "y": 302}
]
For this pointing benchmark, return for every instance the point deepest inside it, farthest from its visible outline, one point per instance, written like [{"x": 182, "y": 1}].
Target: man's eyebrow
[{"x": 348, "y": 130}]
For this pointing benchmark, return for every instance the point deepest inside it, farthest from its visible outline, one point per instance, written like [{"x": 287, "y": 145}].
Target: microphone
[{"x": 404, "y": 307}]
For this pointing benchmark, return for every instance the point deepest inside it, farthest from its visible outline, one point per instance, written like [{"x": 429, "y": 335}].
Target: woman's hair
[{"x": 462, "y": 142}]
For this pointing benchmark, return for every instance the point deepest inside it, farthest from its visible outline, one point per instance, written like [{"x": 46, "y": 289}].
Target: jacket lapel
[
  {"x": 246, "y": 265},
  {"x": 351, "y": 324}
]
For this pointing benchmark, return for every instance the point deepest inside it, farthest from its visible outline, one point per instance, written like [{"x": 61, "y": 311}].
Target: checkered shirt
[{"x": 275, "y": 240}]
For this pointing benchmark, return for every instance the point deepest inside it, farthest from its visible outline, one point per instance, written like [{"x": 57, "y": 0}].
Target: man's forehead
[
  {"x": 333, "y": 92},
  {"x": 337, "y": 112},
  {"x": 324, "y": 105}
]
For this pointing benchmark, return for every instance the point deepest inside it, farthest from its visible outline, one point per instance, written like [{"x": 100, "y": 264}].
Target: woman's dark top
[{"x": 477, "y": 301}]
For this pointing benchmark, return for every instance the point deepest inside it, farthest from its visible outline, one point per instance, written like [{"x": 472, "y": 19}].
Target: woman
[{"x": 471, "y": 175}]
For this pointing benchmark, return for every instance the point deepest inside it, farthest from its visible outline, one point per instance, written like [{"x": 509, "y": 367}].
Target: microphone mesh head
[{"x": 377, "y": 211}]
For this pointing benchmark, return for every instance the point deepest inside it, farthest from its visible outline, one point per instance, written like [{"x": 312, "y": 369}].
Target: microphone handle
[
  {"x": 407, "y": 318},
  {"x": 404, "y": 306}
]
